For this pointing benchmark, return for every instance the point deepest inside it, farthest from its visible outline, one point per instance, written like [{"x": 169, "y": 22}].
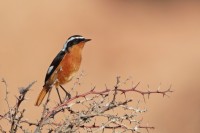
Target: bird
[{"x": 63, "y": 67}]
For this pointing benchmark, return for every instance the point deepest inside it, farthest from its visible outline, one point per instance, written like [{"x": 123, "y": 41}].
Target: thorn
[
  {"x": 93, "y": 89},
  {"x": 85, "y": 98},
  {"x": 94, "y": 124},
  {"x": 136, "y": 85},
  {"x": 106, "y": 86},
  {"x": 140, "y": 121},
  {"x": 124, "y": 94},
  {"x": 144, "y": 98},
  {"x": 148, "y": 86},
  {"x": 16, "y": 97}
]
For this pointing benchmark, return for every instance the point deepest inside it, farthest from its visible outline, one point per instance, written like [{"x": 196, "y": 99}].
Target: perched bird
[{"x": 64, "y": 66}]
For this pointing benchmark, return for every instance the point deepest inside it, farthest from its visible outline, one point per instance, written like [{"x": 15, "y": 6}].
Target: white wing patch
[{"x": 50, "y": 69}]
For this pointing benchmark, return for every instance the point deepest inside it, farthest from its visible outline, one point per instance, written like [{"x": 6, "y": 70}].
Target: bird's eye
[{"x": 77, "y": 41}]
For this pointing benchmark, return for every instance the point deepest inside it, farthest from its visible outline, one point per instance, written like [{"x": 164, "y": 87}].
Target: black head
[{"x": 73, "y": 40}]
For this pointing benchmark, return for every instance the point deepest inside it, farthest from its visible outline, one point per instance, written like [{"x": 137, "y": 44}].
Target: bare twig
[
  {"x": 94, "y": 104},
  {"x": 6, "y": 95}
]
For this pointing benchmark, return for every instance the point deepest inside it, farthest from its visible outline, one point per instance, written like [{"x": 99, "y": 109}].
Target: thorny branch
[
  {"x": 14, "y": 114},
  {"x": 94, "y": 104}
]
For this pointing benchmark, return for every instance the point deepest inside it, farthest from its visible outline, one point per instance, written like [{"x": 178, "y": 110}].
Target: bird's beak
[{"x": 86, "y": 40}]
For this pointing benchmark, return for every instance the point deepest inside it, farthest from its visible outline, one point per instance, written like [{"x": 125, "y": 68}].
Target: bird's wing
[{"x": 54, "y": 64}]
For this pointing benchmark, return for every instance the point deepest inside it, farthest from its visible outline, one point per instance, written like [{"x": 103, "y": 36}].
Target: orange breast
[{"x": 69, "y": 65}]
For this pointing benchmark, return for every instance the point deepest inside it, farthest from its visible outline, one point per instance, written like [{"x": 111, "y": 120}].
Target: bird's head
[{"x": 75, "y": 40}]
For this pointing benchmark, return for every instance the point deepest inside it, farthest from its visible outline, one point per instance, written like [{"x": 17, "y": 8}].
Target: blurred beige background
[{"x": 153, "y": 42}]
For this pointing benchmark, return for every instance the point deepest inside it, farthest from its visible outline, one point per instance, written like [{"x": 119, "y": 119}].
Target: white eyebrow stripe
[
  {"x": 50, "y": 69},
  {"x": 70, "y": 39}
]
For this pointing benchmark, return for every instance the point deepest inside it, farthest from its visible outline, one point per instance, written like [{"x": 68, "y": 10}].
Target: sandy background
[{"x": 152, "y": 42}]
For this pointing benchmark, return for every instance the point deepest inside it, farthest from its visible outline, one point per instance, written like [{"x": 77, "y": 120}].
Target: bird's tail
[{"x": 42, "y": 94}]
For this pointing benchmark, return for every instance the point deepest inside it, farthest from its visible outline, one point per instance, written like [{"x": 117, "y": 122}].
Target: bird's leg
[
  {"x": 48, "y": 96},
  {"x": 59, "y": 95},
  {"x": 67, "y": 93}
]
